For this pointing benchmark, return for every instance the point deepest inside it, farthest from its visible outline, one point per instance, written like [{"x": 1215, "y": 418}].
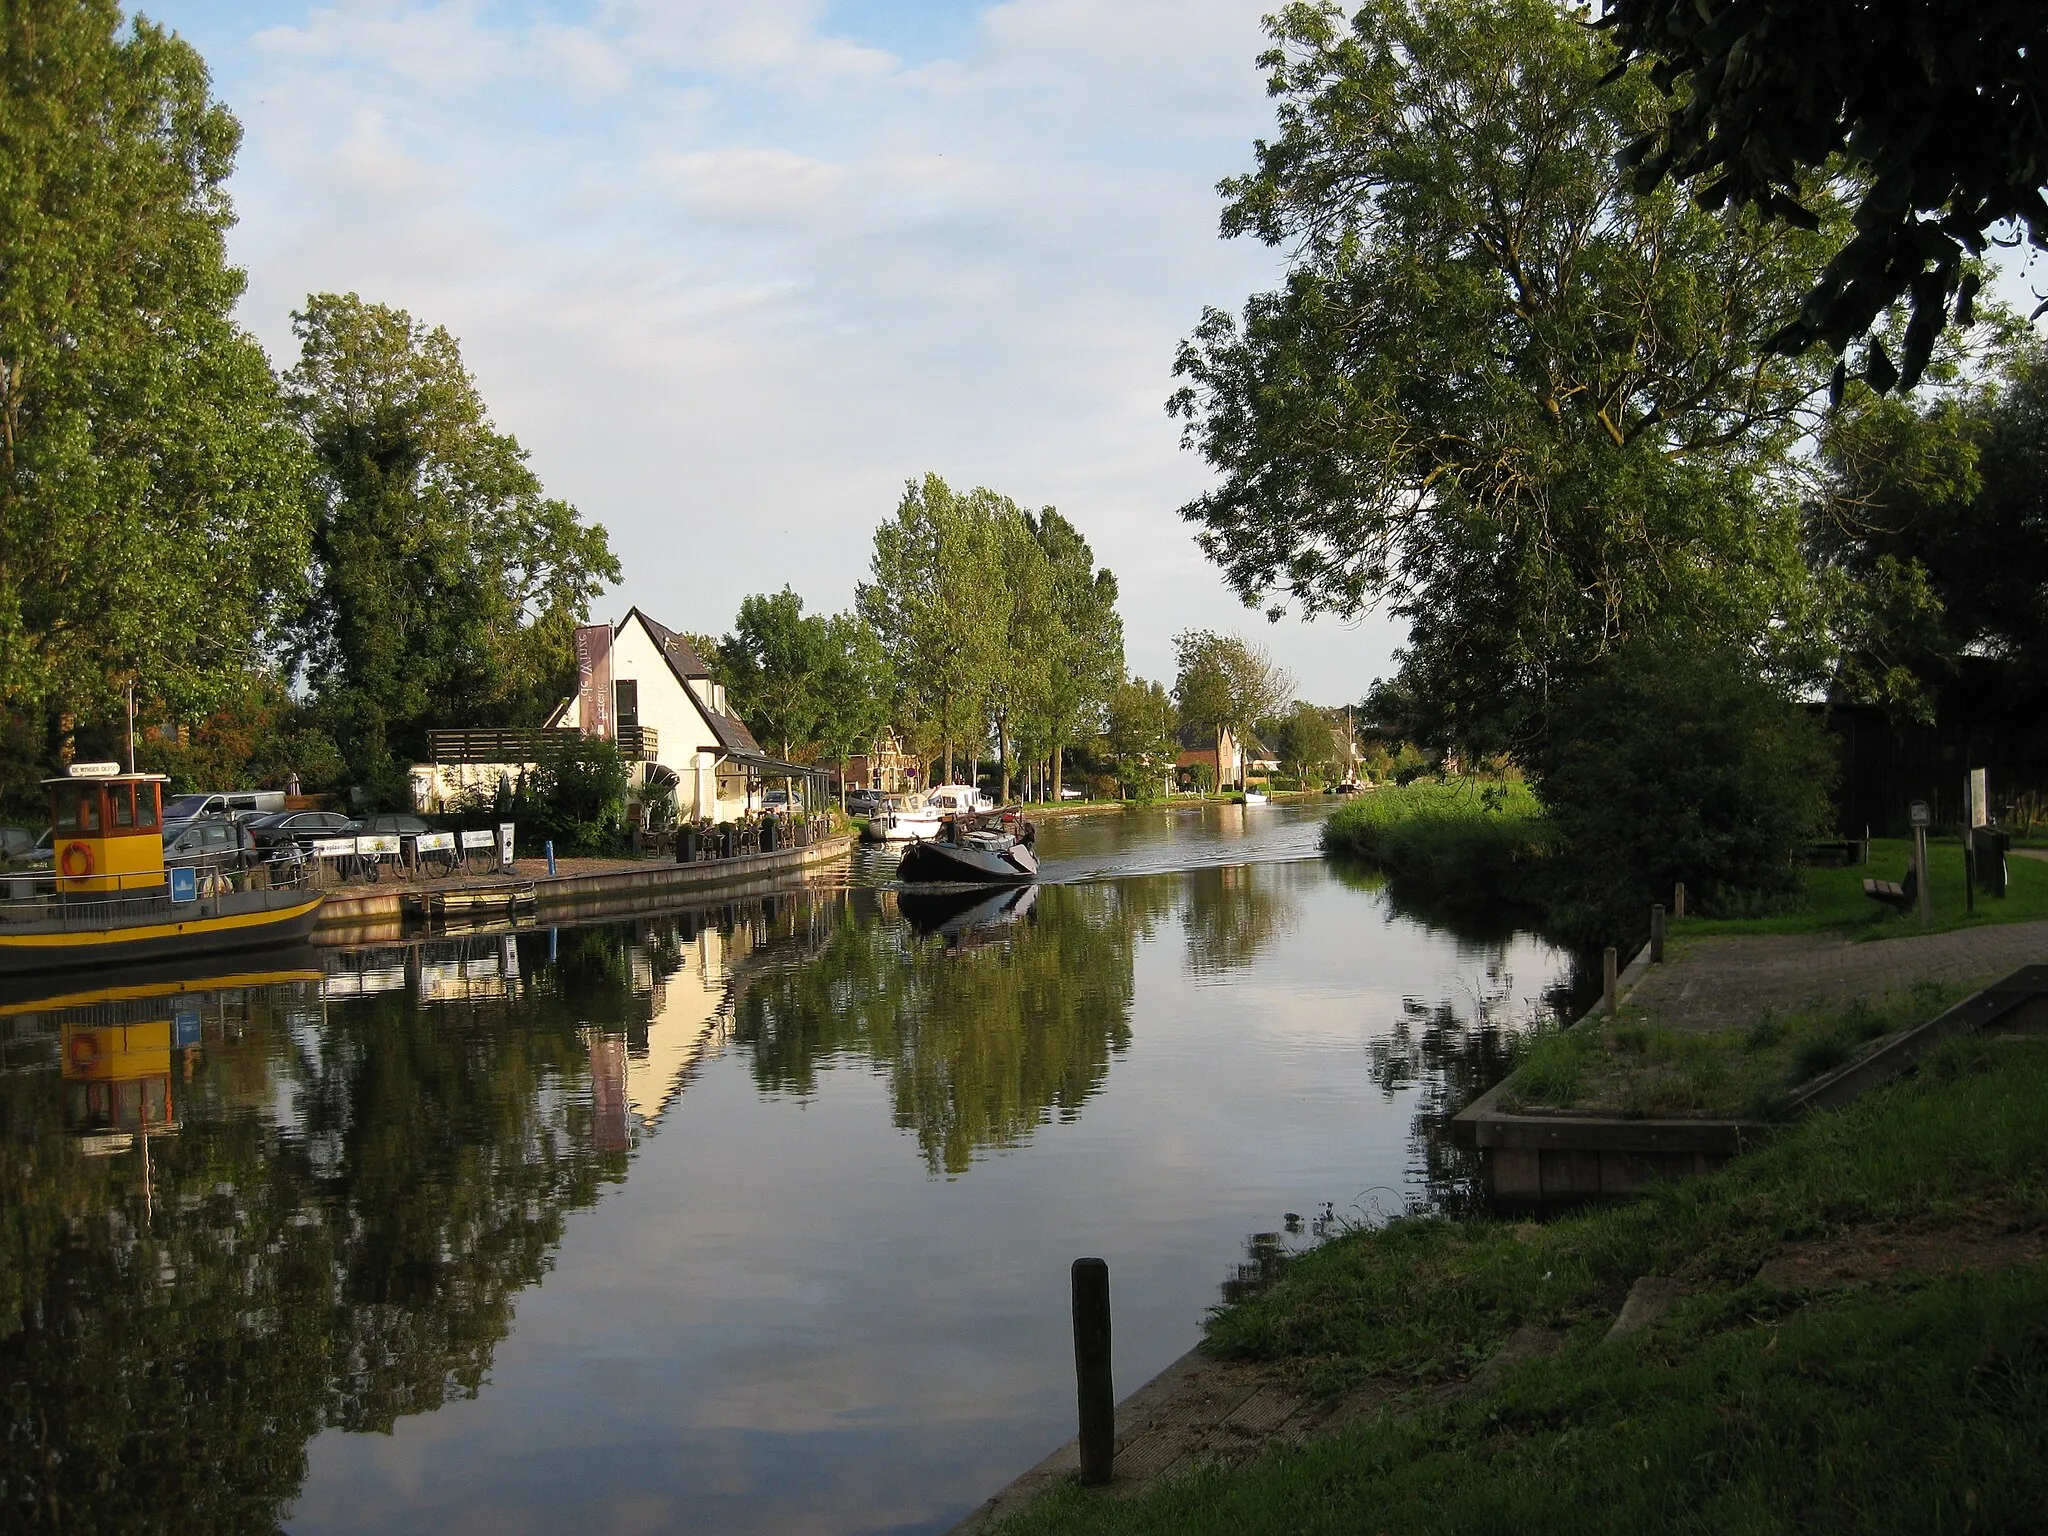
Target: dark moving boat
[{"x": 970, "y": 849}]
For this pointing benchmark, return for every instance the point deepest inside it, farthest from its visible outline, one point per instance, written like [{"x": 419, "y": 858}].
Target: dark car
[
  {"x": 389, "y": 824},
  {"x": 296, "y": 828},
  {"x": 16, "y": 843},
  {"x": 211, "y": 841}
]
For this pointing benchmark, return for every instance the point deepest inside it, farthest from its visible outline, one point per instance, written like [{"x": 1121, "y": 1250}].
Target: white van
[{"x": 233, "y": 804}]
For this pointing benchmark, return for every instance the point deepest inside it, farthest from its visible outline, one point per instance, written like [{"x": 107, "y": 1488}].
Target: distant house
[
  {"x": 669, "y": 717},
  {"x": 886, "y": 767},
  {"x": 1217, "y": 750}
]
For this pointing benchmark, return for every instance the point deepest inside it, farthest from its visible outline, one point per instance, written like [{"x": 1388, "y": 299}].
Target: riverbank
[
  {"x": 1449, "y": 844},
  {"x": 1838, "y": 1332},
  {"x": 579, "y": 888}
]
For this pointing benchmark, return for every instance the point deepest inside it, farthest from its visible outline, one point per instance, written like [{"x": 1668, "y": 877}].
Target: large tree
[
  {"x": 1225, "y": 683},
  {"x": 152, "y": 490},
  {"x": 1499, "y": 393},
  {"x": 1937, "y": 108},
  {"x": 939, "y": 602},
  {"x": 1084, "y": 658},
  {"x": 446, "y": 582},
  {"x": 815, "y": 684}
]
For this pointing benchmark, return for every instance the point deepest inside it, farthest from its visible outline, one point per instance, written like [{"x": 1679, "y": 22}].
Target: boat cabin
[{"x": 106, "y": 829}]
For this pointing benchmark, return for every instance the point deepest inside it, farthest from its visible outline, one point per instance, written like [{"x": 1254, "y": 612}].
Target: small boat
[
  {"x": 903, "y": 819},
  {"x": 960, "y": 800},
  {"x": 109, "y": 898},
  {"x": 1252, "y": 797},
  {"x": 969, "y": 849}
]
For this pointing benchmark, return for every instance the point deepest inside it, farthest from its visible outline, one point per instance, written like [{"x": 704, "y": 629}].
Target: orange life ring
[
  {"x": 84, "y": 1049},
  {"x": 81, "y": 854}
]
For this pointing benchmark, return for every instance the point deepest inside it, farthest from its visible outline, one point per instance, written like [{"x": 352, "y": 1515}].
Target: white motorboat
[
  {"x": 904, "y": 819},
  {"x": 1252, "y": 797},
  {"x": 959, "y": 800}
]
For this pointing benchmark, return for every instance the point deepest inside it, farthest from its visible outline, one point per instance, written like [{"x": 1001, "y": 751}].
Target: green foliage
[
  {"x": 1458, "y": 844},
  {"x": 1932, "y": 529},
  {"x": 1140, "y": 741},
  {"x": 1499, "y": 393},
  {"x": 1224, "y": 682},
  {"x": 1678, "y": 762},
  {"x": 258, "y": 739},
  {"x": 1301, "y": 740},
  {"x": 992, "y": 619},
  {"x": 810, "y": 684},
  {"x": 447, "y": 585},
  {"x": 1771, "y": 100},
  {"x": 152, "y": 505},
  {"x": 575, "y": 795}
]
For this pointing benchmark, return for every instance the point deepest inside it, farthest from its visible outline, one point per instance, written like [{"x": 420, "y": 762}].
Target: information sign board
[
  {"x": 334, "y": 847},
  {"x": 471, "y": 841},
  {"x": 434, "y": 842},
  {"x": 184, "y": 882},
  {"x": 1920, "y": 815}
]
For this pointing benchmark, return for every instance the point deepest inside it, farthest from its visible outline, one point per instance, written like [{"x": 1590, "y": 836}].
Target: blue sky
[{"x": 734, "y": 272}]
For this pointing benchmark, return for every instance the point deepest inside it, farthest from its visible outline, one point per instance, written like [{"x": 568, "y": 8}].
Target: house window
[{"x": 626, "y": 704}]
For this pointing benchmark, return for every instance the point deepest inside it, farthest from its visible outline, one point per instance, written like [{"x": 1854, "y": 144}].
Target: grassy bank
[
  {"x": 1464, "y": 840},
  {"x": 1917, "y": 1402},
  {"x": 1832, "y": 900}
]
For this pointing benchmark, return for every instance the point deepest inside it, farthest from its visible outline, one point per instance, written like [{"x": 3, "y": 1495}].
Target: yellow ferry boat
[{"x": 108, "y": 898}]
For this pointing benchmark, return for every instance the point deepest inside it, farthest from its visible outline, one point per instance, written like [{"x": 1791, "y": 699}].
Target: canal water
[{"x": 753, "y": 1217}]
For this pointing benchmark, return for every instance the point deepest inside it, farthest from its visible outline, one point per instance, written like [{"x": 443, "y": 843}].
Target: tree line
[
  {"x": 321, "y": 563},
  {"x": 1585, "y": 365}
]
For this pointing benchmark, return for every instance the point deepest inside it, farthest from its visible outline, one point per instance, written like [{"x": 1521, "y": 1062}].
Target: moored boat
[
  {"x": 109, "y": 899},
  {"x": 903, "y": 819}
]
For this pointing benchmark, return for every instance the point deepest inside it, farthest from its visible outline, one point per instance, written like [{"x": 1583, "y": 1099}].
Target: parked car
[
  {"x": 295, "y": 828},
  {"x": 780, "y": 802},
  {"x": 385, "y": 824},
  {"x": 213, "y": 841},
  {"x": 863, "y": 802},
  {"x": 17, "y": 844},
  {"x": 235, "y": 804}
]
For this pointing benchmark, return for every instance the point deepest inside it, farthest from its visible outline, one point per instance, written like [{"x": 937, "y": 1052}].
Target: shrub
[
  {"x": 576, "y": 796},
  {"x": 1678, "y": 762}
]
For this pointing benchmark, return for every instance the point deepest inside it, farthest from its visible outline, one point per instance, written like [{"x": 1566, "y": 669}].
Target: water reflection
[
  {"x": 990, "y": 1017},
  {"x": 241, "y": 1211}
]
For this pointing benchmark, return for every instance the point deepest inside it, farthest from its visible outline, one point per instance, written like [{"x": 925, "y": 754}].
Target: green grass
[
  {"x": 1919, "y": 1405},
  {"x": 1832, "y": 900},
  {"x": 1633, "y": 1066},
  {"x": 1465, "y": 839}
]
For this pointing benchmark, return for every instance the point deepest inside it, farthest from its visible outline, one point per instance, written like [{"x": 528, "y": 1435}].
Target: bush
[
  {"x": 575, "y": 796},
  {"x": 1454, "y": 845},
  {"x": 1678, "y": 762}
]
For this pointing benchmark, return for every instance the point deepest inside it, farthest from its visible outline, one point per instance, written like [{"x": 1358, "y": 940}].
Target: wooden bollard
[
  {"x": 1678, "y": 899},
  {"x": 1610, "y": 977},
  {"x": 1657, "y": 934},
  {"x": 1097, "y": 1397}
]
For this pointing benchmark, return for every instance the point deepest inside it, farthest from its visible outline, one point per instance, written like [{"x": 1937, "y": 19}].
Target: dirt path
[{"x": 1730, "y": 982}]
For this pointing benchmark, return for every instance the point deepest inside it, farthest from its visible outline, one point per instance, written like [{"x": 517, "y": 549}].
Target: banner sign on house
[{"x": 594, "y": 679}]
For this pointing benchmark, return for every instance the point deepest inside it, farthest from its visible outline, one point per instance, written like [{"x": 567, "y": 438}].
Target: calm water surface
[{"x": 754, "y": 1217}]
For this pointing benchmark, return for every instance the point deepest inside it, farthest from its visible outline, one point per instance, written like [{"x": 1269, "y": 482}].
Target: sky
[{"x": 734, "y": 272}]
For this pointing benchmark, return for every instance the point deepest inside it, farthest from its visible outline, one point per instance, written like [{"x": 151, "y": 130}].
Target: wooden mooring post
[
  {"x": 1678, "y": 899},
  {"x": 1096, "y": 1394},
  {"x": 1657, "y": 934},
  {"x": 1610, "y": 977}
]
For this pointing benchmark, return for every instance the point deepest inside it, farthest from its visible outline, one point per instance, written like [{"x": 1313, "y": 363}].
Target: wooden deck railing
[{"x": 637, "y": 743}]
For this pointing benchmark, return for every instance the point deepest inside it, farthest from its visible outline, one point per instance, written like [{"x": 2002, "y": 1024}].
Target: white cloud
[{"x": 745, "y": 268}]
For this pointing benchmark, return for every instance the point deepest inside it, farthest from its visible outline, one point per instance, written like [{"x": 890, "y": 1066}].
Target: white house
[{"x": 670, "y": 718}]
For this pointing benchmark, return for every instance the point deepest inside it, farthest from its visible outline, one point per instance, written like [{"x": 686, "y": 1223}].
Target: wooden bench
[{"x": 1899, "y": 897}]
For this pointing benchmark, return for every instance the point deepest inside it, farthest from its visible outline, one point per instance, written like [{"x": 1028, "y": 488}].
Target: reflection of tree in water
[
  {"x": 1454, "y": 1053},
  {"x": 982, "y": 1041},
  {"x": 164, "y": 1358},
  {"x": 1231, "y": 914}
]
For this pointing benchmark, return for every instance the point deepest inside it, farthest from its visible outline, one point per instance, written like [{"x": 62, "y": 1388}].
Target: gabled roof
[{"x": 681, "y": 656}]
